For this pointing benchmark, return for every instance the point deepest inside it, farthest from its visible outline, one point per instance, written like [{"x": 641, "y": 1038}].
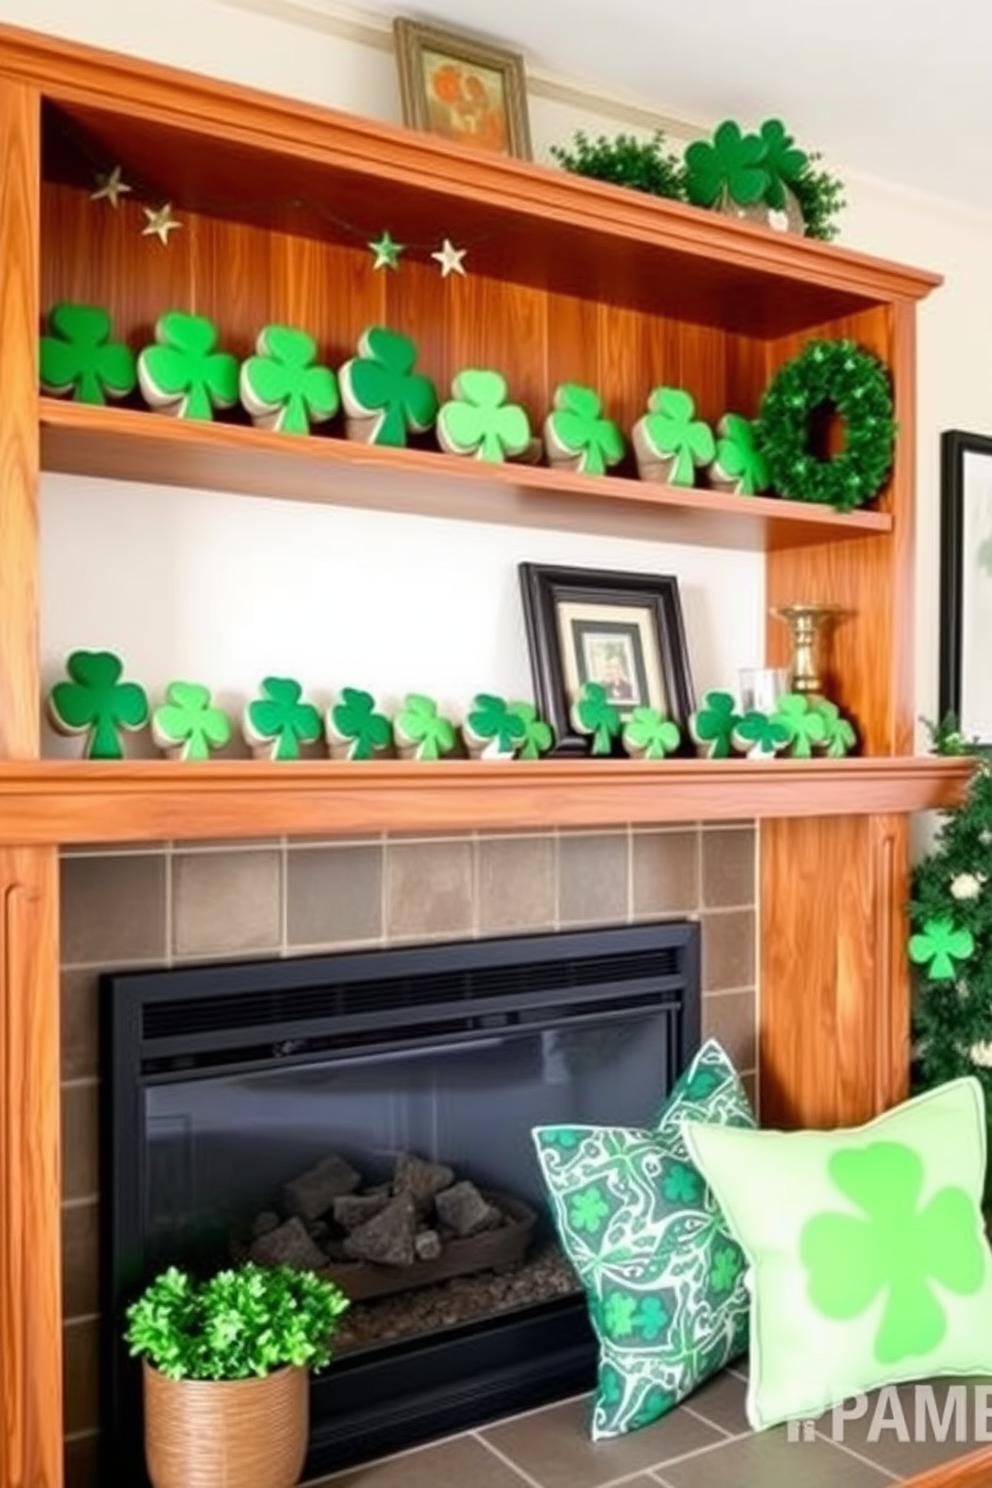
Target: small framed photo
[
  {"x": 624, "y": 630},
  {"x": 462, "y": 89},
  {"x": 966, "y": 582}
]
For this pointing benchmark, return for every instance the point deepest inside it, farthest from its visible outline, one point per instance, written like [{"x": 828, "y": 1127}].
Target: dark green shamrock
[
  {"x": 188, "y": 724},
  {"x": 940, "y": 943},
  {"x": 78, "y": 356},
  {"x": 712, "y": 725},
  {"x": 738, "y": 458},
  {"x": 379, "y": 387},
  {"x": 839, "y": 737},
  {"x": 673, "y": 432},
  {"x": 760, "y": 737},
  {"x": 421, "y": 729},
  {"x": 594, "y": 714},
  {"x": 537, "y": 737},
  {"x": 730, "y": 168},
  {"x": 491, "y": 720},
  {"x": 577, "y": 429},
  {"x": 649, "y": 734},
  {"x": 783, "y": 161},
  {"x": 479, "y": 421},
  {"x": 281, "y": 386},
  {"x": 280, "y": 721},
  {"x": 184, "y": 372},
  {"x": 95, "y": 702},
  {"x": 804, "y": 724},
  {"x": 355, "y": 721}
]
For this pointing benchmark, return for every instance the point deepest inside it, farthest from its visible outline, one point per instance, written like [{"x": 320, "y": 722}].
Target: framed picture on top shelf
[
  {"x": 462, "y": 89},
  {"x": 966, "y": 581},
  {"x": 624, "y": 630}
]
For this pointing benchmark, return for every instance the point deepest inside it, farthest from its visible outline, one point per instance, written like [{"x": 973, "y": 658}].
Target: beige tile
[
  {"x": 666, "y": 873},
  {"x": 881, "y": 1433},
  {"x": 517, "y": 884},
  {"x": 459, "y": 1462},
  {"x": 79, "y": 1024},
  {"x": 80, "y": 1159},
  {"x": 82, "y": 1462},
  {"x": 80, "y": 1260},
  {"x": 768, "y": 1460},
  {"x": 80, "y": 1372},
  {"x": 552, "y": 1446},
  {"x": 732, "y": 1018},
  {"x": 226, "y": 903},
  {"x": 113, "y": 909},
  {"x": 720, "y": 1402},
  {"x": 333, "y": 895},
  {"x": 728, "y": 949},
  {"x": 728, "y": 868},
  {"x": 429, "y": 889},
  {"x": 593, "y": 878}
]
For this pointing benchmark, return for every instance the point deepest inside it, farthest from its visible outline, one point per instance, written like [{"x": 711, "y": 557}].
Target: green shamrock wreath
[{"x": 829, "y": 374}]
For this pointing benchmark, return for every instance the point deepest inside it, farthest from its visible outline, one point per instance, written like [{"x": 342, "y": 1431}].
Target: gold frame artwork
[{"x": 483, "y": 101}]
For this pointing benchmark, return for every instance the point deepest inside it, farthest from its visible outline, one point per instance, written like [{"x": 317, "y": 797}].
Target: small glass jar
[{"x": 761, "y": 688}]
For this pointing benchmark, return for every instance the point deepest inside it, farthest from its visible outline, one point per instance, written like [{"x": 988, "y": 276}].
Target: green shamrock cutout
[
  {"x": 594, "y": 714},
  {"x": 187, "y": 723},
  {"x": 761, "y": 737},
  {"x": 279, "y": 721},
  {"x": 588, "y": 1209},
  {"x": 671, "y": 432},
  {"x": 941, "y": 943},
  {"x": 783, "y": 161},
  {"x": 804, "y": 724},
  {"x": 184, "y": 373},
  {"x": 650, "y": 735},
  {"x": 382, "y": 394},
  {"x": 537, "y": 737},
  {"x": 479, "y": 421},
  {"x": 577, "y": 430},
  {"x": 893, "y": 1249},
  {"x": 839, "y": 737},
  {"x": 78, "y": 356},
  {"x": 730, "y": 168},
  {"x": 492, "y": 728},
  {"x": 95, "y": 702},
  {"x": 282, "y": 388},
  {"x": 712, "y": 725},
  {"x": 354, "y": 723},
  {"x": 420, "y": 729},
  {"x": 740, "y": 464}
]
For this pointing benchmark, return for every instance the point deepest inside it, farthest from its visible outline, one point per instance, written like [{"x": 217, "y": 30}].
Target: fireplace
[{"x": 232, "y": 1092}]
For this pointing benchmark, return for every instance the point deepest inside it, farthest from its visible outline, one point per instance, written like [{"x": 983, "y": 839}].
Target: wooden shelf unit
[{"x": 568, "y": 279}]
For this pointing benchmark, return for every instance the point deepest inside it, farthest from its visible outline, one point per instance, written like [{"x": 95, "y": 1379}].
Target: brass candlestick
[{"x": 807, "y": 624}]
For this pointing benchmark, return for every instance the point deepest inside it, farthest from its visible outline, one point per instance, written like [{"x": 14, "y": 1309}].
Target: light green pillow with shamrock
[
  {"x": 664, "y": 1279},
  {"x": 869, "y": 1262}
]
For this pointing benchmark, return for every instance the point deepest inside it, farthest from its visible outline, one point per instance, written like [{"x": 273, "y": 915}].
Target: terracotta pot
[{"x": 249, "y": 1433}]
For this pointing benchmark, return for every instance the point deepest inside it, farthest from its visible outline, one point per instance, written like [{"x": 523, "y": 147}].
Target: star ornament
[
  {"x": 160, "y": 223},
  {"x": 387, "y": 252},
  {"x": 450, "y": 258},
  {"x": 110, "y": 187}
]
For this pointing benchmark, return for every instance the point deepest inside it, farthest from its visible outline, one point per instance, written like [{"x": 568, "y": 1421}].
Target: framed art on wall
[
  {"x": 462, "y": 89},
  {"x": 624, "y": 630},
  {"x": 966, "y": 581}
]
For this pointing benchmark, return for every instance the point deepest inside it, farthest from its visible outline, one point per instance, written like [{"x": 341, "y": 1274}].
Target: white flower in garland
[
  {"x": 981, "y": 1054},
  {"x": 967, "y": 885}
]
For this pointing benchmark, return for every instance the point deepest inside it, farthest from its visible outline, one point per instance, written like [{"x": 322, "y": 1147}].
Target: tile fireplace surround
[{"x": 157, "y": 906}]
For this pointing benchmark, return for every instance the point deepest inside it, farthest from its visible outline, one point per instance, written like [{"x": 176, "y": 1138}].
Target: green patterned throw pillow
[
  {"x": 869, "y": 1262},
  {"x": 664, "y": 1280}
]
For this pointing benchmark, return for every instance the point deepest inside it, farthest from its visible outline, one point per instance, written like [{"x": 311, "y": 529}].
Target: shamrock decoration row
[
  {"x": 800, "y": 725},
  {"x": 645, "y": 734}
]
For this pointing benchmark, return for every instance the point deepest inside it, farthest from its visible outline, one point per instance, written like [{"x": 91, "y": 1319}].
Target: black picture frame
[
  {"x": 625, "y": 625},
  {"x": 965, "y": 679}
]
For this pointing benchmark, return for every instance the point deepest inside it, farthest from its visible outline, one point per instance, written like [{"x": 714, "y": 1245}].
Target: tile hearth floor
[{"x": 705, "y": 1443}]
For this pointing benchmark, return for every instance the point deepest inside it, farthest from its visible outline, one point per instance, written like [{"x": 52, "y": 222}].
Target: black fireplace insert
[{"x": 233, "y": 1094}]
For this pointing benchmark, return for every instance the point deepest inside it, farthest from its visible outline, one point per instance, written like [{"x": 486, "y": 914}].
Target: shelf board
[
  {"x": 58, "y": 801},
  {"x": 131, "y": 444}
]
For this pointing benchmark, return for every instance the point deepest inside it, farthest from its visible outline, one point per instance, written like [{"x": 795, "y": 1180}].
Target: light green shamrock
[
  {"x": 281, "y": 719},
  {"x": 95, "y": 702},
  {"x": 726, "y": 1267},
  {"x": 588, "y": 1210},
  {"x": 674, "y": 432},
  {"x": 805, "y": 725},
  {"x": 380, "y": 384},
  {"x": 738, "y": 456},
  {"x": 422, "y": 726},
  {"x": 78, "y": 354},
  {"x": 839, "y": 737},
  {"x": 941, "y": 943},
  {"x": 713, "y": 724},
  {"x": 681, "y": 1184},
  {"x": 537, "y": 737},
  {"x": 783, "y": 161},
  {"x": 479, "y": 421},
  {"x": 652, "y": 1318},
  {"x": 730, "y": 168},
  {"x": 185, "y": 369},
  {"x": 897, "y": 1250},
  {"x": 355, "y": 718},
  {"x": 283, "y": 381},
  {"x": 493, "y": 719},
  {"x": 188, "y": 721},
  {"x": 618, "y": 1314},
  {"x": 761, "y": 737},
  {"x": 577, "y": 427},
  {"x": 594, "y": 714},
  {"x": 650, "y": 734}
]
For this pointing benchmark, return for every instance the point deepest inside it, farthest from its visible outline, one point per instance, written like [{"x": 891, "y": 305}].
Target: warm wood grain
[
  {"x": 19, "y": 209},
  {"x": 973, "y": 1471},
  {"x": 30, "y": 1231},
  {"x": 66, "y": 801}
]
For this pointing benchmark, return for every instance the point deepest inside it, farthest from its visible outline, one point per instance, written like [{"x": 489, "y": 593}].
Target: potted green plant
[{"x": 225, "y": 1363}]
